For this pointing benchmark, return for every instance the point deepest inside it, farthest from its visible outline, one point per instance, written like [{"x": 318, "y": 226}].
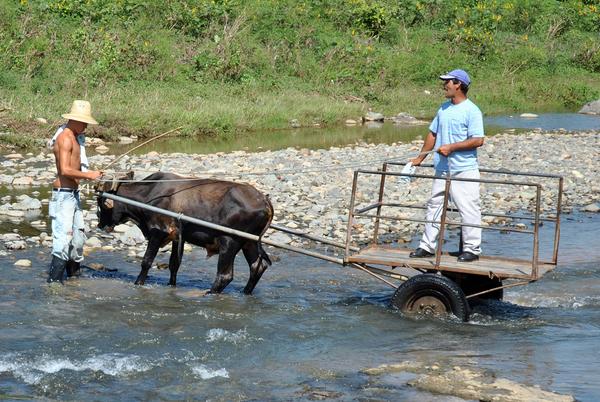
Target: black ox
[{"x": 234, "y": 205}]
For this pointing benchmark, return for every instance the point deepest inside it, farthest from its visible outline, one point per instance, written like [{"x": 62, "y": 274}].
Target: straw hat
[{"x": 81, "y": 111}]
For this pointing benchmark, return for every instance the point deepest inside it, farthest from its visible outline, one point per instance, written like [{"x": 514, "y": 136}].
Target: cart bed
[{"x": 502, "y": 268}]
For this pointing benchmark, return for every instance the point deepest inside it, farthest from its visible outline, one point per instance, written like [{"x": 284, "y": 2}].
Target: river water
[
  {"x": 306, "y": 333},
  {"x": 309, "y": 327},
  {"x": 376, "y": 133}
]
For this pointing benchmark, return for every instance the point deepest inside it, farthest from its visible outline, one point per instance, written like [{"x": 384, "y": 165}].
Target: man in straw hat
[{"x": 68, "y": 237}]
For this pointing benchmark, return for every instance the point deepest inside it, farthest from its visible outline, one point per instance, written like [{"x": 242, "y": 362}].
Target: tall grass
[{"x": 220, "y": 67}]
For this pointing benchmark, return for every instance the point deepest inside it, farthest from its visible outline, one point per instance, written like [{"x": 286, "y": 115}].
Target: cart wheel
[
  {"x": 471, "y": 284},
  {"x": 431, "y": 295}
]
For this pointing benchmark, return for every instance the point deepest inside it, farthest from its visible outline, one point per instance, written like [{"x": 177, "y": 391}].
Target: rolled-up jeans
[{"x": 68, "y": 236}]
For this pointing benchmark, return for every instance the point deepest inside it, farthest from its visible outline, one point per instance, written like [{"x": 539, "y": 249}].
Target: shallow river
[
  {"x": 308, "y": 330},
  {"x": 306, "y": 333}
]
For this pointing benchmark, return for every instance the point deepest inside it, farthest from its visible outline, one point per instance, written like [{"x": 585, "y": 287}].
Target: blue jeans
[{"x": 68, "y": 235}]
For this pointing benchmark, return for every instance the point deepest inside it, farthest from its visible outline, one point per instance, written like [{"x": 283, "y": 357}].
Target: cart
[{"x": 438, "y": 286}]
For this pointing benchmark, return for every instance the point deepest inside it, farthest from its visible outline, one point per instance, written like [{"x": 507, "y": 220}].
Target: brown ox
[{"x": 234, "y": 205}]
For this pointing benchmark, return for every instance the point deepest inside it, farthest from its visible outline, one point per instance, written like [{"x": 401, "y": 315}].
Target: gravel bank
[{"x": 316, "y": 199}]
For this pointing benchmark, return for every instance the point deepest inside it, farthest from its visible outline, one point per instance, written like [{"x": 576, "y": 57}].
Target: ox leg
[
  {"x": 228, "y": 249},
  {"x": 154, "y": 243},
  {"x": 175, "y": 261},
  {"x": 257, "y": 263}
]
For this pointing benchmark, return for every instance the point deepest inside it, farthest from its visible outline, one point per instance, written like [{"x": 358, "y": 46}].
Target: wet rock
[
  {"x": 591, "y": 108},
  {"x": 101, "y": 149},
  {"x": 16, "y": 245},
  {"x": 23, "y": 181},
  {"x": 6, "y": 237},
  {"x": 121, "y": 228},
  {"x": 470, "y": 384},
  {"x": 351, "y": 122},
  {"x": 280, "y": 238},
  {"x": 405, "y": 118},
  {"x": 125, "y": 140},
  {"x": 132, "y": 236},
  {"x": 528, "y": 115},
  {"x": 595, "y": 207},
  {"x": 27, "y": 203},
  {"x": 93, "y": 242},
  {"x": 374, "y": 116},
  {"x": 6, "y": 179},
  {"x": 23, "y": 263},
  {"x": 92, "y": 141},
  {"x": 11, "y": 212}
]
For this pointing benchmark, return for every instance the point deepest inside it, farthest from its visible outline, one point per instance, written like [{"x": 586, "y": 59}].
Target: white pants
[{"x": 465, "y": 196}]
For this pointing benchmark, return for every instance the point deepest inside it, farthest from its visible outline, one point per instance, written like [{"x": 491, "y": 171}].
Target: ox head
[{"x": 110, "y": 212}]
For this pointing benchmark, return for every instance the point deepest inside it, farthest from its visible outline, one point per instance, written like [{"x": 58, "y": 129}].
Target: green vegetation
[{"x": 221, "y": 67}]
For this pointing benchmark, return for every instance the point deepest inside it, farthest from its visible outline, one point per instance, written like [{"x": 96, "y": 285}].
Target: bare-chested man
[{"x": 65, "y": 211}]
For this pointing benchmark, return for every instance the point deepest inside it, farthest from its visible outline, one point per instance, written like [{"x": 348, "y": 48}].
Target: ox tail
[{"x": 262, "y": 254}]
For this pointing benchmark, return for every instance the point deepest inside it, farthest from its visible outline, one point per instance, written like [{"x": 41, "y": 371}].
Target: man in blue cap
[{"x": 455, "y": 133}]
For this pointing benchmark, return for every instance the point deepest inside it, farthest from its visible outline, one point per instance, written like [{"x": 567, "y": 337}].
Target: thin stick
[{"x": 141, "y": 145}]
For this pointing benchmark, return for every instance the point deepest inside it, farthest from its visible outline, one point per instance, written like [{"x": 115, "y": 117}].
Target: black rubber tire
[
  {"x": 436, "y": 295},
  {"x": 471, "y": 284}
]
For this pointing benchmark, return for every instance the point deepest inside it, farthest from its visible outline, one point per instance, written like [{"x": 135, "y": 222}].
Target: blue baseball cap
[{"x": 460, "y": 75}]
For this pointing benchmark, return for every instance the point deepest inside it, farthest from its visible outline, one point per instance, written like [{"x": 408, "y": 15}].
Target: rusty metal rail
[{"x": 377, "y": 206}]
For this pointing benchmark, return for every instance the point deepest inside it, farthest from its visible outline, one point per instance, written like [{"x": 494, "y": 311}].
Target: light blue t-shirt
[{"x": 456, "y": 123}]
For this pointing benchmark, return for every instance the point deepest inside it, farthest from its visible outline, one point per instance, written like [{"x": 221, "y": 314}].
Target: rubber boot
[
  {"x": 57, "y": 269},
  {"x": 73, "y": 269}
]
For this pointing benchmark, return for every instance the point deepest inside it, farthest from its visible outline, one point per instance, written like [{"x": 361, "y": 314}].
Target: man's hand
[
  {"x": 445, "y": 149},
  {"x": 417, "y": 161},
  {"x": 94, "y": 174}
]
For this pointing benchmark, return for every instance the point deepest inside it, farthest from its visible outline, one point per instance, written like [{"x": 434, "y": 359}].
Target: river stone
[
  {"x": 591, "y": 108},
  {"x": 13, "y": 213},
  {"x": 6, "y": 179},
  {"x": 595, "y": 207},
  {"x": 405, "y": 118},
  {"x": 93, "y": 141},
  {"x": 125, "y": 140},
  {"x": 15, "y": 245},
  {"x": 132, "y": 236},
  {"x": 294, "y": 123},
  {"x": 528, "y": 115},
  {"x": 351, "y": 122},
  {"x": 101, "y": 149},
  {"x": 374, "y": 116},
  {"x": 93, "y": 242},
  {"x": 6, "y": 237},
  {"x": 27, "y": 203},
  {"x": 23, "y": 181},
  {"x": 280, "y": 238},
  {"x": 122, "y": 228},
  {"x": 23, "y": 263}
]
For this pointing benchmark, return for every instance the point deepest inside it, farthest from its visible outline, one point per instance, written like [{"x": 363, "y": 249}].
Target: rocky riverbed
[{"x": 310, "y": 189}]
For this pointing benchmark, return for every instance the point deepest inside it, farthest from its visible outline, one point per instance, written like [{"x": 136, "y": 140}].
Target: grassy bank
[{"x": 224, "y": 67}]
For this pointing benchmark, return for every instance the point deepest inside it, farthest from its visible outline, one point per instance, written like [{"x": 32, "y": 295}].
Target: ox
[{"x": 235, "y": 205}]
